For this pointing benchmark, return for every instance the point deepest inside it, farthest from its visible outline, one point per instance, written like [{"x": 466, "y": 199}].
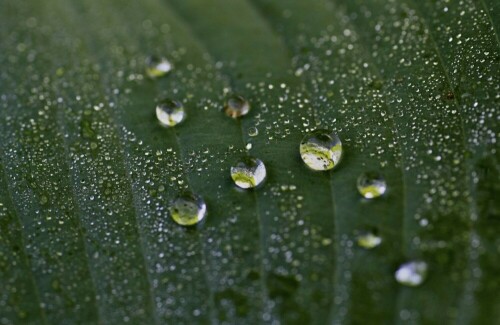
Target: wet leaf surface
[{"x": 412, "y": 88}]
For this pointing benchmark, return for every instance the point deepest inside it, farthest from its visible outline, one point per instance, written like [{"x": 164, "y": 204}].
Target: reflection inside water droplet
[
  {"x": 170, "y": 112},
  {"x": 248, "y": 173},
  {"x": 321, "y": 150},
  {"x": 371, "y": 185},
  {"x": 188, "y": 209}
]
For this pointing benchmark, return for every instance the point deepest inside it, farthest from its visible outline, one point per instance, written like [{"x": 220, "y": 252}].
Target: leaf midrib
[
  {"x": 90, "y": 49},
  {"x": 394, "y": 130},
  {"x": 271, "y": 32},
  {"x": 202, "y": 250},
  {"x": 43, "y": 317}
]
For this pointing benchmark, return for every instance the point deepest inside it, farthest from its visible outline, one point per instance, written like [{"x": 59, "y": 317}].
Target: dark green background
[{"x": 412, "y": 88}]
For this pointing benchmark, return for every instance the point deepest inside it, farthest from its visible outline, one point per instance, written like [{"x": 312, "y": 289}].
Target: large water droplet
[
  {"x": 170, "y": 112},
  {"x": 371, "y": 185},
  {"x": 188, "y": 209},
  {"x": 412, "y": 273},
  {"x": 369, "y": 240},
  {"x": 321, "y": 149},
  {"x": 250, "y": 172},
  {"x": 157, "y": 67},
  {"x": 236, "y": 106}
]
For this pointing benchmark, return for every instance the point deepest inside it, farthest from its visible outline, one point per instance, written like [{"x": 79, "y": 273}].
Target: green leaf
[{"x": 411, "y": 87}]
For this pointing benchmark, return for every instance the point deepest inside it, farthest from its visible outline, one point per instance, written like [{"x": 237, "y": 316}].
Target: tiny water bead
[
  {"x": 236, "y": 106},
  {"x": 371, "y": 185},
  {"x": 253, "y": 131},
  {"x": 157, "y": 67},
  {"x": 412, "y": 273},
  {"x": 188, "y": 209},
  {"x": 248, "y": 173},
  {"x": 170, "y": 112},
  {"x": 321, "y": 149},
  {"x": 369, "y": 240}
]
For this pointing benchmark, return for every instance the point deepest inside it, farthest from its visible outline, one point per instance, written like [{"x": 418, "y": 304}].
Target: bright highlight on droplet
[
  {"x": 170, "y": 112},
  {"x": 412, "y": 273},
  {"x": 248, "y": 173},
  {"x": 321, "y": 150},
  {"x": 369, "y": 240},
  {"x": 188, "y": 209},
  {"x": 371, "y": 185},
  {"x": 157, "y": 67},
  {"x": 236, "y": 106}
]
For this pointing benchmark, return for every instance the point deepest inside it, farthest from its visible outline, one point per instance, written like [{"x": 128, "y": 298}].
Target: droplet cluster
[{"x": 411, "y": 94}]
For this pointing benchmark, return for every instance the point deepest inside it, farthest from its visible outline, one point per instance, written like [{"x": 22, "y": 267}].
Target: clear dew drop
[
  {"x": 371, "y": 185},
  {"x": 369, "y": 240},
  {"x": 170, "y": 112},
  {"x": 248, "y": 173},
  {"x": 412, "y": 273},
  {"x": 188, "y": 209},
  {"x": 236, "y": 106},
  {"x": 321, "y": 149},
  {"x": 253, "y": 131},
  {"x": 157, "y": 67}
]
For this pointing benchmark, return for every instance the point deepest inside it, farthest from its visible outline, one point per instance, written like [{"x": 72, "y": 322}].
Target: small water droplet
[
  {"x": 326, "y": 241},
  {"x": 253, "y": 131},
  {"x": 236, "y": 106},
  {"x": 321, "y": 149},
  {"x": 157, "y": 67},
  {"x": 188, "y": 209},
  {"x": 248, "y": 173},
  {"x": 44, "y": 200},
  {"x": 369, "y": 240},
  {"x": 170, "y": 112},
  {"x": 412, "y": 273},
  {"x": 371, "y": 185}
]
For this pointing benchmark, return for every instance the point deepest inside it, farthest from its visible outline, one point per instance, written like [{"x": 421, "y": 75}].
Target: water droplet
[
  {"x": 326, "y": 241},
  {"x": 369, "y": 240},
  {"x": 253, "y": 131},
  {"x": 321, "y": 149},
  {"x": 157, "y": 67},
  {"x": 170, "y": 112},
  {"x": 371, "y": 185},
  {"x": 250, "y": 172},
  {"x": 188, "y": 209},
  {"x": 44, "y": 200},
  {"x": 236, "y": 106},
  {"x": 412, "y": 273}
]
